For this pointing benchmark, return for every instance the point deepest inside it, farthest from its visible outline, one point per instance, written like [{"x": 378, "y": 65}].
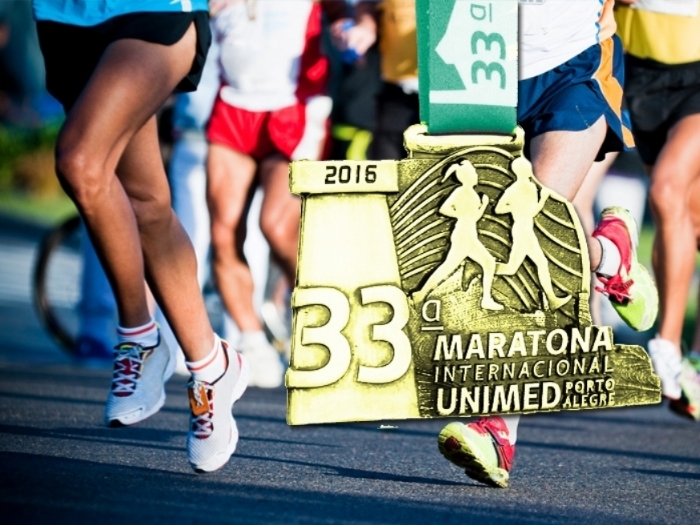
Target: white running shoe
[
  {"x": 138, "y": 382},
  {"x": 666, "y": 358},
  {"x": 266, "y": 369},
  {"x": 213, "y": 434}
]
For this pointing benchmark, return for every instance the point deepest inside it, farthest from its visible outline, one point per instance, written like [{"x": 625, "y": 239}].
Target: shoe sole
[
  {"x": 467, "y": 458},
  {"x": 124, "y": 420},
  {"x": 220, "y": 459}
]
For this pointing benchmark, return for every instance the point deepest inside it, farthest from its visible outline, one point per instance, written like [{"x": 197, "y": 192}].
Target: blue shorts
[{"x": 574, "y": 95}]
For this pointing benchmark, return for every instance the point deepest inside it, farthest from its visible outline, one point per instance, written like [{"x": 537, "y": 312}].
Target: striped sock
[
  {"x": 146, "y": 335},
  {"x": 212, "y": 367}
]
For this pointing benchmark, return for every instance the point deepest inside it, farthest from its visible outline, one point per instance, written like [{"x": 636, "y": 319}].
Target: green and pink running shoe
[
  {"x": 482, "y": 448},
  {"x": 632, "y": 290}
]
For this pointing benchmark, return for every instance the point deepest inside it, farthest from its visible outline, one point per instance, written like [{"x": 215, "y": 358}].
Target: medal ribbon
[{"x": 468, "y": 65}]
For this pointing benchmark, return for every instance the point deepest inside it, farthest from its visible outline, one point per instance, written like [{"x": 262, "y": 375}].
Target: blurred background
[{"x": 32, "y": 202}]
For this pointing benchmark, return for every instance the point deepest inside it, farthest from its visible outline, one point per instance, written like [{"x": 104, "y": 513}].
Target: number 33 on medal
[{"x": 337, "y": 345}]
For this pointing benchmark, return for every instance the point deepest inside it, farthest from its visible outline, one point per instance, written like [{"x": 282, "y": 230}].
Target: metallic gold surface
[{"x": 448, "y": 284}]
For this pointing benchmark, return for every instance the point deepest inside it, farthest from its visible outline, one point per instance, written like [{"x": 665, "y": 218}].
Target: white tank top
[
  {"x": 262, "y": 43},
  {"x": 554, "y": 31}
]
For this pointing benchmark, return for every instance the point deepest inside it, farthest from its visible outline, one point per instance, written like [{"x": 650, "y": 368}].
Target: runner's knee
[
  {"x": 667, "y": 196},
  {"x": 152, "y": 212},
  {"x": 223, "y": 240},
  {"x": 82, "y": 175},
  {"x": 280, "y": 231}
]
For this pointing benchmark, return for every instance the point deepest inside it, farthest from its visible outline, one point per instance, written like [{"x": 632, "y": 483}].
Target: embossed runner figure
[
  {"x": 521, "y": 200},
  {"x": 465, "y": 205}
]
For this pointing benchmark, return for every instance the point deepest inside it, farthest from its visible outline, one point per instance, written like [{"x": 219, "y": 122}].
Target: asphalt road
[{"x": 59, "y": 464}]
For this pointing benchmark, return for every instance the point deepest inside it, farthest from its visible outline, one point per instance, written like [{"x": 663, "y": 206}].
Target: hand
[
  {"x": 339, "y": 36},
  {"x": 361, "y": 37}
]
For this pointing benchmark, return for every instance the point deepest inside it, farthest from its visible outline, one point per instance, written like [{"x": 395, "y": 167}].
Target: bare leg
[
  {"x": 280, "y": 215},
  {"x": 695, "y": 216},
  {"x": 562, "y": 159},
  {"x": 585, "y": 197},
  {"x": 584, "y": 202},
  {"x": 171, "y": 266},
  {"x": 130, "y": 83},
  {"x": 696, "y": 334},
  {"x": 230, "y": 175},
  {"x": 672, "y": 178}
]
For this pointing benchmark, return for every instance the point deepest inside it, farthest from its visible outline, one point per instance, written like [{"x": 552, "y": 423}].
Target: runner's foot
[
  {"x": 680, "y": 382},
  {"x": 482, "y": 448},
  {"x": 138, "y": 382},
  {"x": 266, "y": 369},
  {"x": 213, "y": 434},
  {"x": 688, "y": 404},
  {"x": 631, "y": 290},
  {"x": 666, "y": 358}
]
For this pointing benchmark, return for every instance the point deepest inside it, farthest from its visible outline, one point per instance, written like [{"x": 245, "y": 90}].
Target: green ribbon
[{"x": 468, "y": 65}]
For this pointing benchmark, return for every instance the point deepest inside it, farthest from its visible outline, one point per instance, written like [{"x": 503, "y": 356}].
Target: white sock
[
  {"x": 512, "y": 424},
  {"x": 610, "y": 258},
  {"x": 210, "y": 368},
  {"x": 145, "y": 335}
]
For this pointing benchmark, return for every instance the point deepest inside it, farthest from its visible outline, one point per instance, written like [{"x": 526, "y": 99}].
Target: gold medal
[
  {"x": 450, "y": 283},
  {"x": 447, "y": 284}
]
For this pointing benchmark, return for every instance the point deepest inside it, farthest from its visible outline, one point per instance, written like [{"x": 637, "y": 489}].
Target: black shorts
[
  {"x": 71, "y": 53},
  {"x": 658, "y": 96}
]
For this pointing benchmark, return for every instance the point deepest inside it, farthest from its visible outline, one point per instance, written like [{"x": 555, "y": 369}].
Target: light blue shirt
[{"x": 93, "y": 12}]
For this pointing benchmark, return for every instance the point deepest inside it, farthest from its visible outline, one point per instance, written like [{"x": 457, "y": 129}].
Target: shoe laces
[
  {"x": 615, "y": 287},
  {"x": 202, "y": 408},
  {"x": 128, "y": 367}
]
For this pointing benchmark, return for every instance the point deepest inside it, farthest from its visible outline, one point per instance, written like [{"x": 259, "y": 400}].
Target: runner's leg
[
  {"x": 131, "y": 81},
  {"x": 280, "y": 215},
  {"x": 672, "y": 177},
  {"x": 170, "y": 262},
  {"x": 230, "y": 175},
  {"x": 584, "y": 202},
  {"x": 562, "y": 159}
]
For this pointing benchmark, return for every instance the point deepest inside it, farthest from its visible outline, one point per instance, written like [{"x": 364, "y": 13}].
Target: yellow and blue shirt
[{"x": 669, "y": 39}]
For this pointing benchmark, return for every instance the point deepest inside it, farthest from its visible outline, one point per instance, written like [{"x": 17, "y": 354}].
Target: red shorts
[{"x": 257, "y": 133}]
